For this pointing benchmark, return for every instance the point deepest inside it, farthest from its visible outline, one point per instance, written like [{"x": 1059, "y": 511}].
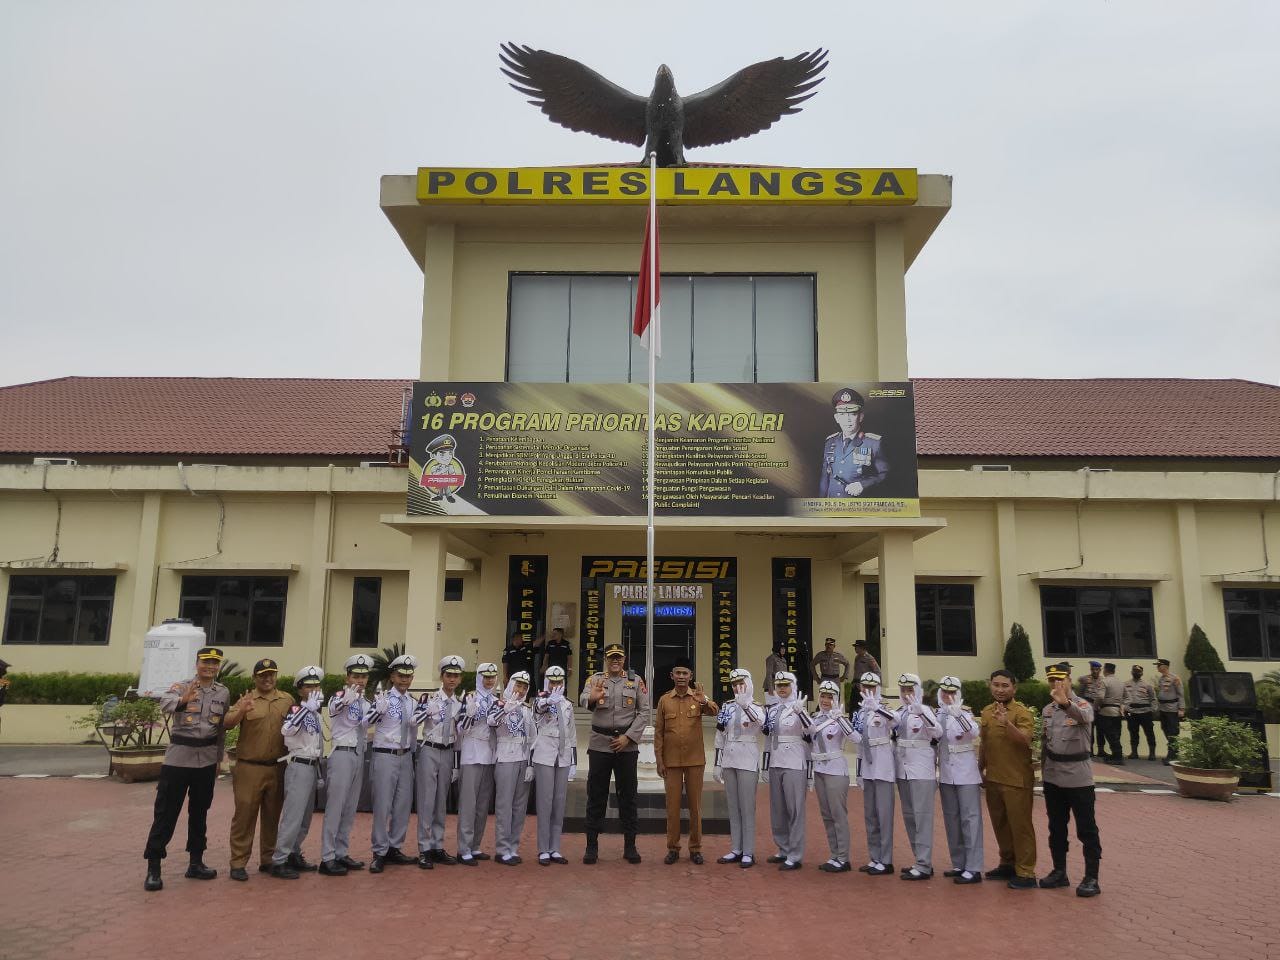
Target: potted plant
[
  {"x": 132, "y": 731},
  {"x": 1211, "y": 756}
]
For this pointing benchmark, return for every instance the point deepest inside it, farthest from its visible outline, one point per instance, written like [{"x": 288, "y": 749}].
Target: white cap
[
  {"x": 739, "y": 673},
  {"x": 452, "y": 662},
  {"x": 784, "y": 676},
  {"x": 308, "y": 674},
  {"x": 360, "y": 663},
  {"x": 555, "y": 673},
  {"x": 869, "y": 679},
  {"x": 908, "y": 680},
  {"x": 949, "y": 683},
  {"x": 487, "y": 669},
  {"x": 520, "y": 676},
  {"x": 829, "y": 686},
  {"x": 405, "y": 663}
]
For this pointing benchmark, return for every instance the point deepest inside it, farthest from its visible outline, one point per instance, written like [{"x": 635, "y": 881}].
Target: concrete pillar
[
  {"x": 315, "y": 641},
  {"x": 437, "y": 303},
  {"x": 144, "y": 577},
  {"x": 1189, "y": 582},
  {"x": 891, "y": 301},
  {"x": 897, "y": 605},
  {"x": 425, "y": 614},
  {"x": 1007, "y": 565}
]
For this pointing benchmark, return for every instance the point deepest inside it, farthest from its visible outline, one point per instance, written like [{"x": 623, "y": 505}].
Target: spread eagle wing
[
  {"x": 751, "y": 100},
  {"x": 575, "y": 96}
]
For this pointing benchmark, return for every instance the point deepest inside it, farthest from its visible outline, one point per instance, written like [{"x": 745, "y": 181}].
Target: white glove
[
  {"x": 453, "y": 775},
  {"x": 809, "y": 785},
  {"x": 313, "y": 702},
  {"x": 557, "y": 696},
  {"x": 717, "y": 774},
  {"x": 742, "y": 699},
  {"x": 573, "y": 771},
  {"x": 915, "y": 708},
  {"x": 764, "y": 776},
  {"x": 528, "y": 774},
  {"x": 380, "y": 702},
  {"x": 800, "y": 702}
]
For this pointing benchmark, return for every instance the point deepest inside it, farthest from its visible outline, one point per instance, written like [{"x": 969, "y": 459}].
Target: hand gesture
[
  {"x": 313, "y": 701},
  {"x": 741, "y": 699},
  {"x": 1001, "y": 715},
  {"x": 189, "y": 691},
  {"x": 380, "y": 701},
  {"x": 245, "y": 703},
  {"x": 1059, "y": 694},
  {"x": 698, "y": 693}
]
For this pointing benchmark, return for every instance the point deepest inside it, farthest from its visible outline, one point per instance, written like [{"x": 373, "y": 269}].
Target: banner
[
  {"x": 741, "y": 450},
  {"x": 526, "y": 597},
  {"x": 792, "y": 618}
]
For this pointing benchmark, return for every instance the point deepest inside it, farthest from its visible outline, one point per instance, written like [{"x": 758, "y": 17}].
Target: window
[
  {"x": 453, "y": 588},
  {"x": 236, "y": 611},
  {"x": 944, "y": 617},
  {"x": 54, "y": 609},
  {"x": 715, "y": 329},
  {"x": 366, "y": 609},
  {"x": 1098, "y": 622},
  {"x": 1253, "y": 624}
]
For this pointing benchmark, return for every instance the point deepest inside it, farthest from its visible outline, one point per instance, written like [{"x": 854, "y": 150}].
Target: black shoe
[
  {"x": 1151, "y": 754},
  {"x": 1118, "y": 761},
  {"x": 952, "y": 873},
  {"x": 591, "y": 854},
  {"x": 351, "y": 864},
  {"x": 378, "y": 864},
  {"x": 512, "y": 861},
  {"x": 830, "y": 867},
  {"x": 1022, "y": 883},
  {"x": 730, "y": 858},
  {"x": 788, "y": 865},
  {"x": 441, "y": 856},
  {"x": 153, "y": 881},
  {"x": 264, "y": 867},
  {"x": 865, "y": 868},
  {"x": 1004, "y": 871},
  {"x": 1166, "y": 761},
  {"x": 301, "y": 863},
  {"x": 972, "y": 878},
  {"x": 394, "y": 856},
  {"x": 748, "y": 862},
  {"x": 671, "y": 857},
  {"x": 558, "y": 858},
  {"x": 198, "y": 871},
  {"x": 881, "y": 871},
  {"x": 424, "y": 861},
  {"x": 480, "y": 856},
  {"x": 630, "y": 853},
  {"x": 776, "y": 858},
  {"x": 285, "y": 871},
  {"x": 1056, "y": 878},
  {"x": 333, "y": 868},
  {"x": 239, "y": 873},
  {"x": 1133, "y": 754},
  {"x": 696, "y": 859},
  {"x": 1088, "y": 887},
  {"x": 469, "y": 861},
  {"x": 914, "y": 874}
]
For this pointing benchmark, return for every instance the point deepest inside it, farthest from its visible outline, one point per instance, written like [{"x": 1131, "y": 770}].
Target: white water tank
[{"x": 169, "y": 656}]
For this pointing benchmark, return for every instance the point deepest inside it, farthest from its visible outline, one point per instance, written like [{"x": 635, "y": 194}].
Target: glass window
[
  {"x": 945, "y": 621},
  {"x": 1098, "y": 622},
  {"x": 1253, "y": 624},
  {"x": 366, "y": 611},
  {"x": 236, "y": 611},
  {"x": 715, "y": 329},
  {"x": 453, "y": 588},
  {"x": 59, "y": 610}
]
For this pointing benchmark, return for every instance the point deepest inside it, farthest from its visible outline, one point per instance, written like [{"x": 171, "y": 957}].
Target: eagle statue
[{"x": 575, "y": 96}]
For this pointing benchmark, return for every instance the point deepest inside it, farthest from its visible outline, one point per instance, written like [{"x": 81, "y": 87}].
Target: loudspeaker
[
  {"x": 1223, "y": 691},
  {"x": 1253, "y": 720}
]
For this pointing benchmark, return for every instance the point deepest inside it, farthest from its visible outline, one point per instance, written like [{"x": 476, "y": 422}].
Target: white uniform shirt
[
  {"x": 957, "y": 758},
  {"x": 302, "y": 734},
  {"x": 478, "y": 740},
  {"x": 739, "y": 741},
  {"x": 829, "y": 733},
  {"x": 349, "y": 720},
  {"x": 875, "y": 752},
  {"x": 394, "y": 728},
  {"x": 515, "y": 731},
  {"x": 438, "y": 717},
  {"x": 786, "y": 725},
  {"x": 915, "y": 754},
  {"x": 556, "y": 736}
]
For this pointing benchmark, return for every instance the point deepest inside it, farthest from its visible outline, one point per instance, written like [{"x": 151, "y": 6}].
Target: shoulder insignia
[
  {"x": 831, "y": 436},
  {"x": 294, "y": 708},
  {"x": 873, "y": 436}
]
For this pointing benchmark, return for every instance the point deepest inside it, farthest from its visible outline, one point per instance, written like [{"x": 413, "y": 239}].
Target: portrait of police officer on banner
[
  {"x": 853, "y": 463},
  {"x": 443, "y": 474}
]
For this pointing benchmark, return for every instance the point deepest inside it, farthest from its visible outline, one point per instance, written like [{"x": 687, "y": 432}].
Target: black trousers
[
  {"x": 1170, "y": 726},
  {"x": 1063, "y": 803},
  {"x": 1145, "y": 723},
  {"x": 1110, "y": 729},
  {"x": 195, "y": 785},
  {"x": 1099, "y": 741},
  {"x": 622, "y": 767}
]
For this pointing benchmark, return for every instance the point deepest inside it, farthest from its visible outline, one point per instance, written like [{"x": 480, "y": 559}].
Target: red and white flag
[{"x": 647, "y": 324}]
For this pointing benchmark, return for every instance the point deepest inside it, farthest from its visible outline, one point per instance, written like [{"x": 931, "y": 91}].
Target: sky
[{"x": 192, "y": 189}]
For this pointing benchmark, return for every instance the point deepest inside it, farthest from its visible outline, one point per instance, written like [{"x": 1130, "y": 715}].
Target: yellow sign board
[{"x": 613, "y": 185}]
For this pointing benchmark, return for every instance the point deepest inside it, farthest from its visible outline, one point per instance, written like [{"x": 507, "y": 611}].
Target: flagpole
[{"x": 653, "y": 366}]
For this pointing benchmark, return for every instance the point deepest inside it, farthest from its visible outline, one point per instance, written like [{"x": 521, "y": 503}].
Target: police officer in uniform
[
  {"x": 737, "y": 765},
  {"x": 619, "y": 705},
  {"x": 391, "y": 769},
  {"x": 829, "y": 732},
  {"x": 1068, "y": 782},
  {"x": 830, "y": 664},
  {"x": 443, "y": 462},
  {"x": 916, "y": 732},
  {"x": 786, "y": 768},
  {"x": 1172, "y": 707},
  {"x": 349, "y": 729},
  {"x": 877, "y": 772},
  {"x": 305, "y": 742},
  {"x": 555, "y": 763},
  {"x": 1139, "y": 710},
  {"x": 959, "y": 783},
  {"x": 190, "y": 767},
  {"x": 1108, "y": 712},
  {"x": 477, "y": 758},
  {"x": 852, "y": 461},
  {"x": 437, "y": 714}
]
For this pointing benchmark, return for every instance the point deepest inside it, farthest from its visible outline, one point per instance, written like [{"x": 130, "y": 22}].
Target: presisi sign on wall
[{"x": 740, "y": 450}]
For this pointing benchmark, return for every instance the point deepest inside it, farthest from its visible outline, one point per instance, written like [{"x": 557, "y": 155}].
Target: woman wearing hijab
[
  {"x": 737, "y": 765},
  {"x": 513, "y": 721},
  {"x": 960, "y": 783},
  {"x": 555, "y": 761}
]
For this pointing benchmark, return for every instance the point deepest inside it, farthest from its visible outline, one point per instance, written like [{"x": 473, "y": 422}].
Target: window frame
[
  {"x": 1116, "y": 609},
  {"x": 377, "y": 614},
  {"x": 47, "y": 582},
  {"x": 1269, "y": 644},
  {"x": 933, "y": 587},
  {"x": 215, "y": 600}
]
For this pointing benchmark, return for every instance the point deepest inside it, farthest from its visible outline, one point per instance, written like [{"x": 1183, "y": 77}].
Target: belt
[
  {"x": 788, "y": 738},
  {"x": 1145, "y": 708},
  {"x": 511, "y": 739},
  {"x": 820, "y": 757},
  {"x": 392, "y": 750},
  {"x": 1066, "y": 757},
  {"x": 916, "y": 744},
  {"x": 438, "y": 746},
  {"x": 309, "y": 761},
  {"x": 960, "y": 748},
  {"x": 1109, "y": 703},
  {"x": 352, "y": 749},
  {"x": 609, "y": 731},
  {"x": 1174, "y": 700},
  {"x": 258, "y": 763},
  {"x": 878, "y": 741},
  {"x": 184, "y": 741}
]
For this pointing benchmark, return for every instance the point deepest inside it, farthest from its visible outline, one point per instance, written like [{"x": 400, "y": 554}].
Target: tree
[
  {"x": 1017, "y": 654},
  {"x": 380, "y": 671},
  {"x": 1201, "y": 657}
]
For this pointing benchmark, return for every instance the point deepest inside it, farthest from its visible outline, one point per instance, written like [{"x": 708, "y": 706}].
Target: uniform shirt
[
  {"x": 478, "y": 739},
  {"x": 302, "y": 734},
  {"x": 786, "y": 725},
  {"x": 739, "y": 741},
  {"x": 865, "y": 663},
  {"x": 556, "y": 737},
  {"x": 519, "y": 658},
  {"x": 393, "y": 728},
  {"x": 200, "y": 719},
  {"x": 1139, "y": 697},
  {"x": 829, "y": 732},
  {"x": 1068, "y": 730},
  {"x": 556, "y": 654},
  {"x": 1112, "y": 696},
  {"x": 349, "y": 720},
  {"x": 846, "y": 460},
  {"x": 1003, "y": 760},
  {"x": 1088, "y": 688},
  {"x": 513, "y": 724},
  {"x": 260, "y": 738},
  {"x": 677, "y": 729},
  {"x": 915, "y": 734},
  {"x": 831, "y": 665},
  {"x": 625, "y": 707},
  {"x": 438, "y": 716},
  {"x": 874, "y": 722},
  {"x": 1169, "y": 693},
  {"x": 773, "y": 664},
  {"x": 957, "y": 753}
]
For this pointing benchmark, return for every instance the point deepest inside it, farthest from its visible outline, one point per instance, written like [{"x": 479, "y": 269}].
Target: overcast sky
[{"x": 193, "y": 188}]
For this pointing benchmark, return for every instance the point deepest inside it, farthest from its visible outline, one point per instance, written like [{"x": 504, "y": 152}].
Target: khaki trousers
[
  {"x": 258, "y": 789},
  {"x": 690, "y": 778},
  {"x": 1010, "y": 811}
]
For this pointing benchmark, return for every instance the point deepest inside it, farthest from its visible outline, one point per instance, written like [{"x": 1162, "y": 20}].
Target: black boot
[
  {"x": 629, "y": 851},
  {"x": 592, "y": 853},
  {"x": 1056, "y": 878},
  {"x": 153, "y": 881},
  {"x": 198, "y": 871},
  {"x": 1089, "y": 885}
]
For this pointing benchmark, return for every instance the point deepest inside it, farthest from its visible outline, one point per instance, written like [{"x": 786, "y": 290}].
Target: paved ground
[{"x": 1181, "y": 878}]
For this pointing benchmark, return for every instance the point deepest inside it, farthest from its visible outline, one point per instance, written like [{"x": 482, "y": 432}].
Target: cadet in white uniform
[
  {"x": 349, "y": 729},
  {"x": 513, "y": 721},
  {"x": 305, "y": 742},
  {"x": 475, "y": 790},
  {"x": 828, "y": 733},
  {"x": 555, "y": 763},
  {"x": 787, "y": 768},
  {"x": 960, "y": 783},
  {"x": 877, "y": 771},
  {"x": 737, "y": 765},
  {"x": 391, "y": 770},
  {"x": 437, "y": 714},
  {"x": 916, "y": 731}
]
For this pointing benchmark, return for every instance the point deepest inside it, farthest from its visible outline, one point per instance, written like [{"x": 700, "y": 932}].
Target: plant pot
[
  {"x": 228, "y": 762},
  {"x": 1201, "y": 784},
  {"x": 133, "y": 766}
]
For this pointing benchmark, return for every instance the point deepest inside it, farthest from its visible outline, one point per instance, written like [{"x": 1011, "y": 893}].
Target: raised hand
[
  {"x": 245, "y": 703},
  {"x": 313, "y": 701}
]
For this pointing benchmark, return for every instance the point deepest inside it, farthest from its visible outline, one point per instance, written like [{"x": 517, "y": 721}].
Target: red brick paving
[{"x": 1181, "y": 878}]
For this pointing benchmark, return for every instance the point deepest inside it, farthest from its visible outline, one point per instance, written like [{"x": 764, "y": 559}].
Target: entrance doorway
[{"x": 673, "y": 636}]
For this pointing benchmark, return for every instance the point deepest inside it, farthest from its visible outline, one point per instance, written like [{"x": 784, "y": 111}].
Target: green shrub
[
  {"x": 132, "y": 724},
  {"x": 976, "y": 693},
  {"x": 1268, "y": 701},
  {"x": 1218, "y": 743},
  {"x": 1034, "y": 694},
  {"x": 1201, "y": 657},
  {"x": 68, "y": 688},
  {"x": 1017, "y": 654}
]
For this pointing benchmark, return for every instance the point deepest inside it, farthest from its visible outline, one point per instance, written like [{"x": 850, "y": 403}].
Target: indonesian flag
[{"x": 647, "y": 324}]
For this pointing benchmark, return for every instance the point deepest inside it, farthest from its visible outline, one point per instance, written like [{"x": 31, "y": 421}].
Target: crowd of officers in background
[{"x": 495, "y": 743}]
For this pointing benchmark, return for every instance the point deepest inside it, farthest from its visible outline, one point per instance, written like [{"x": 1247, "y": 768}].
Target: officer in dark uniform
[{"x": 852, "y": 461}]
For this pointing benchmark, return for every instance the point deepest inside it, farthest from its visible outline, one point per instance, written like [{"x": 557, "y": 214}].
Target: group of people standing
[{"x": 1137, "y": 702}]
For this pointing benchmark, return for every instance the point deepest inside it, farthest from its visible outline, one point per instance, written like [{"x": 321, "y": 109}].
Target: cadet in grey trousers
[
  {"x": 513, "y": 773},
  {"x": 876, "y": 773},
  {"x": 391, "y": 770},
  {"x": 475, "y": 790},
  {"x": 960, "y": 782},
  {"x": 304, "y": 740},
  {"x": 787, "y": 769},
  {"x": 344, "y": 771},
  {"x": 828, "y": 733},
  {"x": 555, "y": 754},
  {"x": 737, "y": 765},
  {"x": 917, "y": 729},
  {"x": 437, "y": 760}
]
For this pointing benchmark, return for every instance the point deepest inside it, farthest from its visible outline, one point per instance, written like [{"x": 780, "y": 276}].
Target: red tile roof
[{"x": 1178, "y": 419}]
